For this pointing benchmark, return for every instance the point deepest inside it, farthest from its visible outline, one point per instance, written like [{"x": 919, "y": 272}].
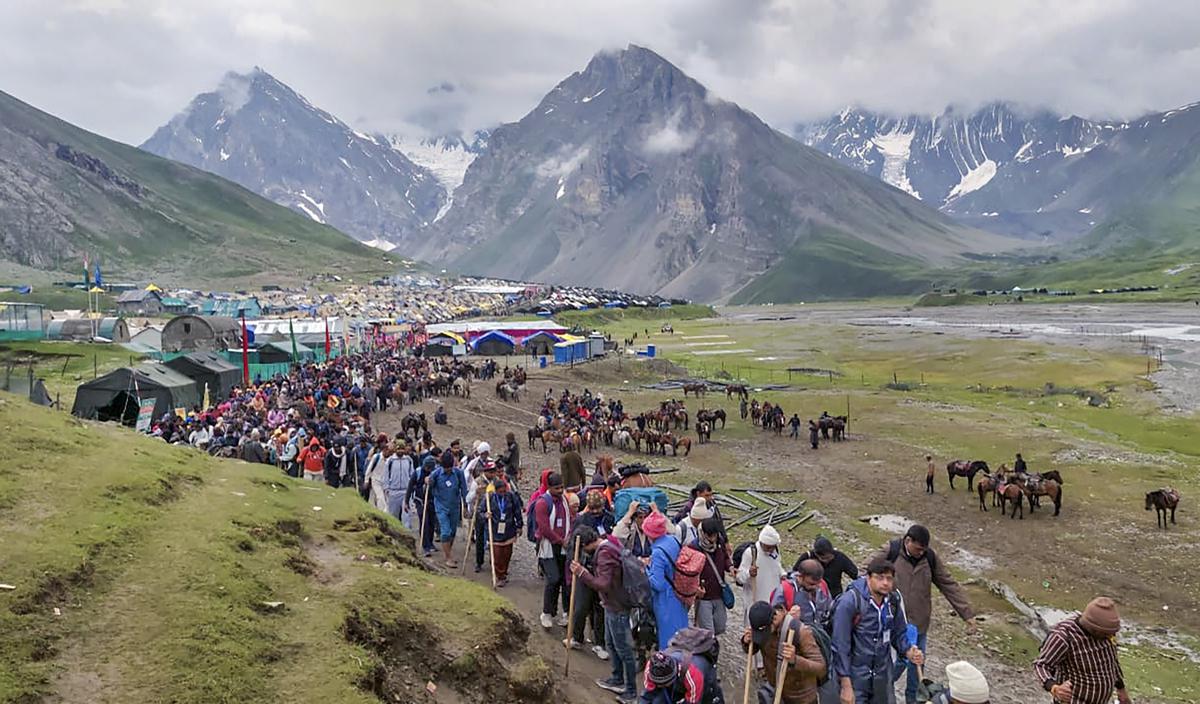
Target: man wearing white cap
[
  {"x": 759, "y": 571},
  {"x": 965, "y": 685},
  {"x": 688, "y": 529}
]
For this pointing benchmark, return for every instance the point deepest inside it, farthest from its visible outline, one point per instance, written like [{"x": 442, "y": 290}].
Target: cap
[
  {"x": 1101, "y": 617},
  {"x": 966, "y": 683},
  {"x": 768, "y": 536},
  {"x": 760, "y": 617}
]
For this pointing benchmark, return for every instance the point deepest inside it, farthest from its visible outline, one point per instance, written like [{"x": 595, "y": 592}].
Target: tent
[
  {"x": 494, "y": 343},
  {"x": 24, "y": 383},
  {"x": 80, "y": 329},
  {"x": 281, "y": 353},
  {"x": 192, "y": 333},
  {"x": 541, "y": 343},
  {"x": 208, "y": 368},
  {"x": 114, "y": 396}
]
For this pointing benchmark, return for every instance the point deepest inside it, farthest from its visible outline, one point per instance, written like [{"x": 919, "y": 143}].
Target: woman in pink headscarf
[{"x": 669, "y": 613}]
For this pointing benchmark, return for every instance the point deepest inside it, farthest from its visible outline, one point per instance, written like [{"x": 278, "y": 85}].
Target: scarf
[{"x": 705, "y": 544}]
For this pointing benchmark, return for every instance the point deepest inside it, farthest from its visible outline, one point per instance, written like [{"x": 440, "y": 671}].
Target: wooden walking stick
[
  {"x": 470, "y": 533},
  {"x": 749, "y": 671},
  {"x": 779, "y": 676},
  {"x": 491, "y": 539},
  {"x": 571, "y": 614}
]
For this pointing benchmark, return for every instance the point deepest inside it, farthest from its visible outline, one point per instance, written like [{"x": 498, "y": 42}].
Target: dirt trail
[{"x": 845, "y": 479}]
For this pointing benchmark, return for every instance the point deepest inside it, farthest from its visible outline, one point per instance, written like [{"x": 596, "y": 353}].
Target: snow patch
[
  {"x": 592, "y": 97},
  {"x": 562, "y": 188},
  {"x": 548, "y": 111},
  {"x": 973, "y": 180},
  {"x": 1021, "y": 156},
  {"x": 446, "y": 159},
  {"x": 895, "y": 148},
  {"x": 1085, "y": 211},
  {"x": 309, "y": 212},
  {"x": 380, "y": 244},
  {"x": 344, "y": 162},
  {"x": 224, "y": 155},
  {"x": 315, "y": 204}
]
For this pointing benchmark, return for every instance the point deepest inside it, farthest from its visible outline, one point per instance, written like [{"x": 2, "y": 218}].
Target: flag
[
  {"x": 207, "y": 404},
  {"x": 99, "y": 279},
  {"x": 292, "y": 334},
  {"x": 327, "y": 338},
  {"x": 245, "y": 353},
  {"x": 86, "y": 274}
]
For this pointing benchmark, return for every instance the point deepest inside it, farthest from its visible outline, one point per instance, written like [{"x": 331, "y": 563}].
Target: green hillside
[
  {"x": 142, "y": 572},
  {"x": 65, "y": 192}
]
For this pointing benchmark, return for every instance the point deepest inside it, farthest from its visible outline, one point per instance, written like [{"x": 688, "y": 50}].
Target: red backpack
[{"x": 688, "y": 567}]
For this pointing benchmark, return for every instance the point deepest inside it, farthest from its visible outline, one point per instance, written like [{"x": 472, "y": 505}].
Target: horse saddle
[{"x": 960, "y": 465}]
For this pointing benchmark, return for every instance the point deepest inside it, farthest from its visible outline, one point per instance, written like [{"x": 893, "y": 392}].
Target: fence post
[{"x": 95, "y": 365}]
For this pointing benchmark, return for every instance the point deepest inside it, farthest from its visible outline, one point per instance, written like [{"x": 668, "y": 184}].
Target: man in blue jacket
[
  {"x": 868, "y": 623},
  {"x": 448, "y": 491}
]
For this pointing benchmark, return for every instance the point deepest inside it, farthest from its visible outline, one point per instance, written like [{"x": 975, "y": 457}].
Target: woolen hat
[
  {"x": 655, "y": 526},
  {"x": 662, "y": 669},
  {"x": 700, "y": 510},
  {"x": 483, "y": 447},
  {"x": 768, "y": 536},
  {"x": 1101, "y": 618},
  {"x": 966, "y": 683}
]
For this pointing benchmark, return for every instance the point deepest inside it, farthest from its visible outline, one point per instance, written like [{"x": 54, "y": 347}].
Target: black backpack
[
  {"x": 634, "y": 582},
  {"x": 896, "y": 546},
  {"x": 752, "y": 545}
]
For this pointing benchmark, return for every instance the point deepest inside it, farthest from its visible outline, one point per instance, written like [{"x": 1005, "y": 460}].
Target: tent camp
[
  {"x": 199, "y": 333},
  {"x": 494, "y": 344},
  {"x": 208, "y": 368},
  {"x": 541, "y": 343},
  {"x": 114, "y": 396}
]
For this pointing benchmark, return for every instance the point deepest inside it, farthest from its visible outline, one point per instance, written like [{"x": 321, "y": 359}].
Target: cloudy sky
[{"x": 123, "y": 67}]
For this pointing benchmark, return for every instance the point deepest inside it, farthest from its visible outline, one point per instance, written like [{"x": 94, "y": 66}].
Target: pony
[
  {"x": 1163, "y": 500},
  {"x": 1035, "y": 488},
  {"x": 1012, "y": 492},
  {"x": 963, "y": 468},
  {"x": 703, "y": 432}
]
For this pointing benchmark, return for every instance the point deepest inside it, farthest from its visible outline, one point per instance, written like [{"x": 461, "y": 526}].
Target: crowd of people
[{"x": 654, "y": 592}]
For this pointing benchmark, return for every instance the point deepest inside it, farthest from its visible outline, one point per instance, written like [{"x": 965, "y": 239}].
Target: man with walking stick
[
  {"x": 507, "y": 519},
  {"x": 792, "y": 659}
]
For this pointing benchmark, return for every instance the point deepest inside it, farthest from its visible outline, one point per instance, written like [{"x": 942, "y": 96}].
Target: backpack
[
  {"x": 644, "y": 496},
  {"x": 693, "y": 645},
  {"x": 824, "y": 642},
  {"x": 894, "y": 548},
  {"x": 686, "y": 581},
  {"x": 751, "y": 545},
  {"x": 531, "y": 519},
  {"x": 634, "y": 582}
]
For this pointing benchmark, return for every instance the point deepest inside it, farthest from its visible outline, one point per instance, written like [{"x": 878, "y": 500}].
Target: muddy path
[{"x": 865, "y": 475}]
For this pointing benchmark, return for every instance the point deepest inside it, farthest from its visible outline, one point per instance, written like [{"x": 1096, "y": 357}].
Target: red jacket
[
  {"x": 312, "y": 457},
  {"x": 541, "y": 513}
]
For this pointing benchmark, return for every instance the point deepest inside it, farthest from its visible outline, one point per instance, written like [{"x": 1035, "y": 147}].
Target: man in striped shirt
[{"x": 1078, "y": 660}]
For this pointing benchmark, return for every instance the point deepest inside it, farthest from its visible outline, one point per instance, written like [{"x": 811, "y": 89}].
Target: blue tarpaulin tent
[{"x": 494, "y": 343}]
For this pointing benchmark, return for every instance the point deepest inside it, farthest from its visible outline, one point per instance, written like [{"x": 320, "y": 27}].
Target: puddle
[
  {"x": 889, "y": 523},
  {"x": 951, "y": 552}
]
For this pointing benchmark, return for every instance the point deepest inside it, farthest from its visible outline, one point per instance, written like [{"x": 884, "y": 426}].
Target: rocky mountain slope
[
  {"x": 65, "y": 192},
  {"x": 258, "y": 132},
  {"x": 630, "y": 174},
  {"x": 1034, "y": 174}
]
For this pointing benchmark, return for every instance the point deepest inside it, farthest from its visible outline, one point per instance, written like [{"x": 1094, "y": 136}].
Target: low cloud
[
  {"x": 563, "y": 164},
  {"x": 669, "y": 139}
]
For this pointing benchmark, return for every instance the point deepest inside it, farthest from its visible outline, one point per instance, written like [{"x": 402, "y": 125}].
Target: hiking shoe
[
  {"x": 574, "y": 644},
  {"x": 478, "y": 569},
  {"x": 615, "y": 686},
  {"x": 561, "y": 620},
  {"x": 600, "y": 652},
  {"x": 547, "y": 621},
  {"x": 627, "y": 698}
]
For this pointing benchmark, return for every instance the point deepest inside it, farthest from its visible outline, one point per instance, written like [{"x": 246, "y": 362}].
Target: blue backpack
[{"x": 644, "y": 496}]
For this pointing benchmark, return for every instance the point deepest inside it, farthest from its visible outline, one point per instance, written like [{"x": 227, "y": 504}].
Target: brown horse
[
  {"x": 987, "y": 484},
  {"x": 963, "y": 468},
  {"x": 1163, "y": 500},
  {"x": 703, "y": 432},
  {"x": 739, "y": 389},
  {"x": 1012, "y": 492},
  {"x": 685, "y": 443},
  {"x": 1045, "y": 487},
  {"x": 698, "y": 388}
]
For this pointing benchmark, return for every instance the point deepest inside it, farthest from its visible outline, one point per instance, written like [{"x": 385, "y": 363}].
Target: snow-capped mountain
[
  {"x": 993, "y": 165},
  {"x": 447, "y": 158},
  {"x": 259, "y": 133}
]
